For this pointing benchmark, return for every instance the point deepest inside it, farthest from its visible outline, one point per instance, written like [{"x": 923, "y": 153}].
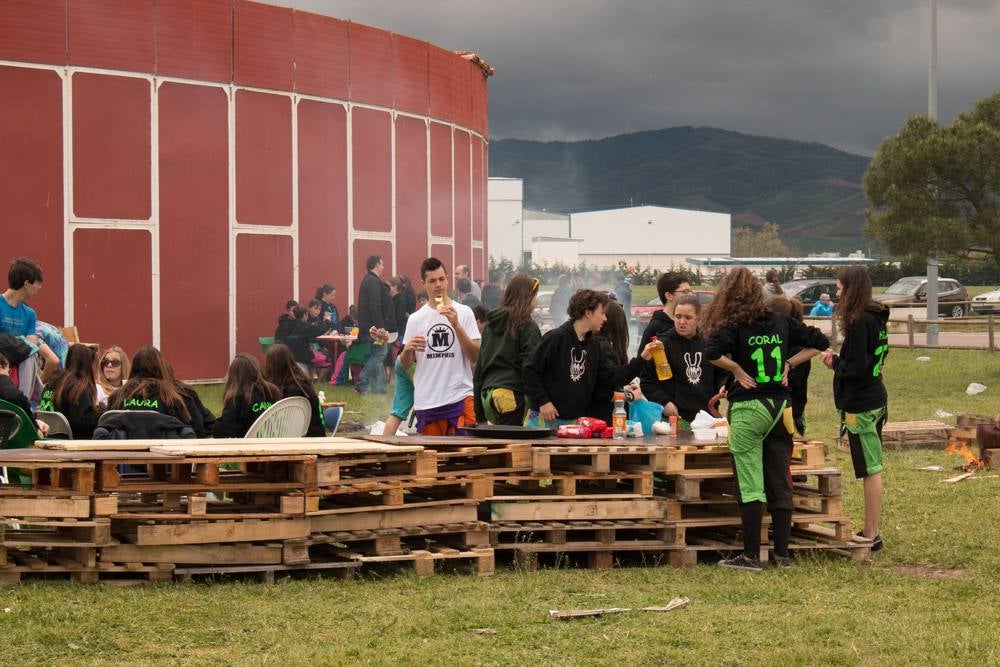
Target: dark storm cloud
[{"x": 841, "y": 72}]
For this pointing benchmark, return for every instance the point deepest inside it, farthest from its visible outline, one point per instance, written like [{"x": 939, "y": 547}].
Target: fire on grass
[{"x": 971, "y": 462}]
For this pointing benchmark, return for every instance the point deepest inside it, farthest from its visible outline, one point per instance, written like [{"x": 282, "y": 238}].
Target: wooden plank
[
  {"x": 575, "y": 509},
  {"x": 402, "y": 517},
  {"x": 190, "y": 554},
  {"x": 45, "y": 507},
  {"x": 223, "y": 531},
  {"x": 271, "y": 448}
]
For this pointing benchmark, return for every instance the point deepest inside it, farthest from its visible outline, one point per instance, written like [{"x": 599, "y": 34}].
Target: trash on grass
[
  {"x": 932, "y": 468},
  {"x": 942, "y": 414},
  {"x": 923, "y": 358},
  {"x": 676, "y": 603},
  {"x": 583, "y": 613},
  {"x": 975, "y": 388}
]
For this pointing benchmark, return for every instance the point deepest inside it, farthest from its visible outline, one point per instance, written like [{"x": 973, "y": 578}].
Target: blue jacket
[{"x": 821, "y": 309}]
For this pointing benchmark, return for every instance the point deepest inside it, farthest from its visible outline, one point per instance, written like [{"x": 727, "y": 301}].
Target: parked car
[
  {"x": 642, "y": 314},
  {"x": 987, "y": 303},
  {"x": 913, "y": 290},
  {"x": 808, "y": 291}
]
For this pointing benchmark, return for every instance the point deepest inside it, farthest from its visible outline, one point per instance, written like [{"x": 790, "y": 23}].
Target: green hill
[{"x": 810, "y": 190}]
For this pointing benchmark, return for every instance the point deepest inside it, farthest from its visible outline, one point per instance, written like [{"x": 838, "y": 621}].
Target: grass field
[{"x": 930, "y": 597}]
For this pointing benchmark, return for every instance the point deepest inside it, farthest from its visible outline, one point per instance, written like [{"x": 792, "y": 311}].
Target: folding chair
[
  {"x": 288, "y": 418},
  {"x": 58, "y": 424}
]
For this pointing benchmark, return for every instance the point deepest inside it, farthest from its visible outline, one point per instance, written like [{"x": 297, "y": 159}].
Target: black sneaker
[
  {"x": 781, "y": 562},
  {"x": 876, "y": 541},
  {"x": 741, "y": 562}
]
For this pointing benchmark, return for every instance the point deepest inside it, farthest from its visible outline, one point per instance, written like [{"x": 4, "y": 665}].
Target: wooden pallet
[
  {"x": 145, "y": 532},
  {"x": 34, "y": 533},
  {"x": 569, "y": 508},
  {"x": 508, "y": 458},
  {"x": 52, "y": 566},
  {"x": 424, "y": 562},
  {"x": 809, "y": 454},
  {"x": 333, "y": 470},
  {"x": 396, "y": 541},
  {"x": 804, "y": 539},
  {"x": 628, "y": 533},
  {"x": 200, "y": 474},
  {"x": 379, "y": 517},
  {"x": 706, "y": 484},
  {"x": 367, "y": 493},
  {"x": 901, "y": 435},
  {"x": 598, "y": 458},
  {"x": 265, "y": 572},
  {"x": 49, "y": 475},
  {"x": 594, "y": 556},
  {"x": 568, "y": 484},
  {"x": 193, "y": 554},
  {"x": 198, "y": 506},
  {"x": 676, "y": 510}
]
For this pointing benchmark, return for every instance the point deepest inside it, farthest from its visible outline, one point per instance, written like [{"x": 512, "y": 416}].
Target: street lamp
[{"x": 932, "y": 262}]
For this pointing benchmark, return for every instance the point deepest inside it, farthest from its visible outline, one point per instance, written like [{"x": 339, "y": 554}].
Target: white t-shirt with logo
[{"x": 443, "y": 375}]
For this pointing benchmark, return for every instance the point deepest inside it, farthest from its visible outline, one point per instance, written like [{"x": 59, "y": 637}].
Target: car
[
  {"x": 912, "y": 292},
  {"x": 809, "y": 291},
  {"x": 986, "y": 303},
  {"x": 541, "y": 314},
  {"x": 642, "y": 314}
]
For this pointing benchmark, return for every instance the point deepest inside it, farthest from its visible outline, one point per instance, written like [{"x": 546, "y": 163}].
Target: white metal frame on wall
[{"x": 72, "y": 222}]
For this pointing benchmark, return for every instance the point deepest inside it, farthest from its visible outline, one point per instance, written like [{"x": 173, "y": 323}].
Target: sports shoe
[
  {"x": 741, "y": 562},
  {"x": 781, "y": 562},
  {"x": 876, "y": 542}
]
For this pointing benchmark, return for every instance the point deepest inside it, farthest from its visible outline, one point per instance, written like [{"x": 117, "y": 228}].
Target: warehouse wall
[{"x": 181, "y": 169}]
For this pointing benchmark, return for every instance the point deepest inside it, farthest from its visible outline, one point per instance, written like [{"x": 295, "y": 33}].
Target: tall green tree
[
  {"x": 936, "y": 188},
  {"x": 765, "y": 242}
]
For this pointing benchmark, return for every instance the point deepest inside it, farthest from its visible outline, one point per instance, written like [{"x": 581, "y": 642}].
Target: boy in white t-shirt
[{"x": 442, "y": 337}]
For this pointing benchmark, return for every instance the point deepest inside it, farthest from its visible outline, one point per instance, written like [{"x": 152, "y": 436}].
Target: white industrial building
[
  {"x": 656, "y": 236},
  {"x": 511, "y": 228}
]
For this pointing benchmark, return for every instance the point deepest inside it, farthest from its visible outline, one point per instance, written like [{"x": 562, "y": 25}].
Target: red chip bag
[
  {"x": 594, "y": 424},
  {"x": 573, "y": 431},
  {"x": 608, "y": 433}
]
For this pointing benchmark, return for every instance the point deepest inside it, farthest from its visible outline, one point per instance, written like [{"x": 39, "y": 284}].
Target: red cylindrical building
[{"x": 179, "y": 170}]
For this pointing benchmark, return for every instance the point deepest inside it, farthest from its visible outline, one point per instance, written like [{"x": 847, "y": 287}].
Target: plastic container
[
  {"x": 618, "y": 418},
  {"x": 705, "y": 434},
  {"x": 663, "y": 371}
]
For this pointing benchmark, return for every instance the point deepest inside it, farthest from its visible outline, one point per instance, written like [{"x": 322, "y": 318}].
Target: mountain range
[{"x": 811, "y": 191}]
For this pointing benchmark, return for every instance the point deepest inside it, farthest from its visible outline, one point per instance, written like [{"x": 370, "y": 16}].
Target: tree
[
  {"x": 936, "y": 189},
  {"x": 763, "y": 243}
]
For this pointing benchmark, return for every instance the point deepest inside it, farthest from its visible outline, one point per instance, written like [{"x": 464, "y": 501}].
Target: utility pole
[{"x": 932, "y": 112}]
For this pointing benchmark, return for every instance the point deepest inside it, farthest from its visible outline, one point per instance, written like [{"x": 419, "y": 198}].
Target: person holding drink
[{"x": 686, "y": 382}]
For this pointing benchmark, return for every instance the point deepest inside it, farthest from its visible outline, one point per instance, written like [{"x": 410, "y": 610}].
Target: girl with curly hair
[{"x": 753, "y": 344}]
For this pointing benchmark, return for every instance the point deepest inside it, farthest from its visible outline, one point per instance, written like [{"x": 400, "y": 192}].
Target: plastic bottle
[
  {"x": 618, "y": 417},
  {"x": 663, "y": 370}
]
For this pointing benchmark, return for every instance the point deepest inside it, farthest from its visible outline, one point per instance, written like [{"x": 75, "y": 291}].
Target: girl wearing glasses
[
  {"x": 112, "y": 372},
  {"x": 509, "y": 337}
]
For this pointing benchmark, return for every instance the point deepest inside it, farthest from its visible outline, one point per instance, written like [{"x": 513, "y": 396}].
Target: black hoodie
[
  {"x": 316, "y": 428},
  {"x": 238, "y": 416},
  {"x": 695, "y": 380},
  {"x": 761, "y": 348},
  {"x": 659, "y": 324},
  {"x": 857, "y": 370},
  {"x": 82, "y": 415},
  {"x": 566, "y": 371}
]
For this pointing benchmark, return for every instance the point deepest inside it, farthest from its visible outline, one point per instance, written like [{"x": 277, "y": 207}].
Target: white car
[{"x": 987, "y": 303}]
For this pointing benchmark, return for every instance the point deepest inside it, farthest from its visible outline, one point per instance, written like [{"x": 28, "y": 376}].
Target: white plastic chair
[
  {"x": 58, "y": 424},
  {"x": 288, "y": 418}
]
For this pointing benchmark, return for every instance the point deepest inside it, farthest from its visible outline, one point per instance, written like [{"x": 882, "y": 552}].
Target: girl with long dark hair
[
  {"x": 509, "y": 337},
  {"x": 858, "y": 390},
  {"x": 73, "y": 392},
  {"x": 754, "y": 344},
  {"x": 613, "y": 338},
  {"x": 281, "y": 370},
  {"x": 150, "y": 386},
  {"x": 246, "y": 395}
]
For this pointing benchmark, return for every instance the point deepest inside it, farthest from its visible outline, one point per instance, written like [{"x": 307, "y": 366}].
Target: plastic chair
[
  {"x": 58, "y": 424},
  {"x": 288, "y": 418},
  {"x": 17, "y": 431},
  {"x": 265, "y": 343},
  {"x": 332, "y": 417}
]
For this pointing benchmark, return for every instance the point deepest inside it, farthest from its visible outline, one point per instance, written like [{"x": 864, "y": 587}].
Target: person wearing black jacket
[
  {"x": 858, "y": 390},
  {"x": 281, "y": 370},
  {"x": 73, "y": 392},
  {"x": 753, "y": 344},
  {"x": 375, "y": 313},
  {"x": 694, "y": 380},
  {"x": 296, "y": 333},
  {"x": 798, "y": 377},
  {"x": 245, "y": 398},
  {"x": 563, "y": 372},
  {"x": 151, "y": 386}
]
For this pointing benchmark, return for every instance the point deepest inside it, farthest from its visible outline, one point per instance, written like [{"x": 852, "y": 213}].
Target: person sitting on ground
[
  {"x": 150, "y": 386},
  {"x": 465, "y": 296},
  {"x": 73, "y": 392},
  {"x": 281, "y": 370},
  {"x": 10, "y": 393},
  {"x": 327, "y": 295},
  {"x": 823, "y": 307},
  {"x": 509, "y": 337},
  {"x": 245, "y": 398},
  {"x": 112, "y": 371},
  {"x": 563, "y": 372},
  {"x": 493, "y": 291},
  {"x": 694, "y": 380}
]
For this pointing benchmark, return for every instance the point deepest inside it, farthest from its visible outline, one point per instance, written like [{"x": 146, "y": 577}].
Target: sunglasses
[{"x": 112, "y": 363}]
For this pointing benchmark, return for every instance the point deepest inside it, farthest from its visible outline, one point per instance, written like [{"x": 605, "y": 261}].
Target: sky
[{"x": 846, "y": 73}]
